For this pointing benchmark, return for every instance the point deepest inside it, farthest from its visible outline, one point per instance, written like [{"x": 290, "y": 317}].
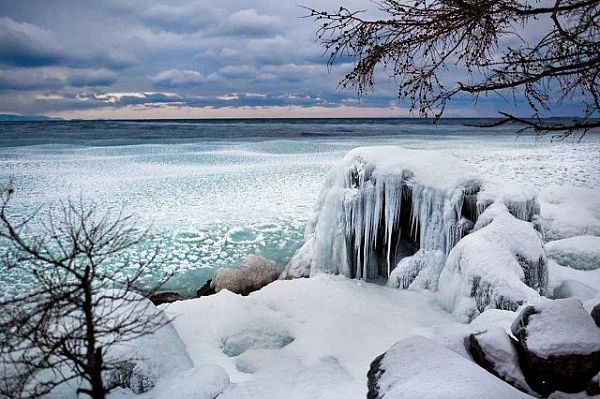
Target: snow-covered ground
[{"x": 304, "y": 338}]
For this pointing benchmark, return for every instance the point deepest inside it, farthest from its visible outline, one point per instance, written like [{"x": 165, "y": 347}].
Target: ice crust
[{"x": 398, "y": 213}]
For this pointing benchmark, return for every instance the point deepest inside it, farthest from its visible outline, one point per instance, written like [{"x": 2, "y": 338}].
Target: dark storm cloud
[
  {"x": 74, "y": 54},
  {"x": 24, "y": 44}
]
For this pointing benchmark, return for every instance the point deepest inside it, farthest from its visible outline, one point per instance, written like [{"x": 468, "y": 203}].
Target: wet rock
[
  {"x": 205, "y": 290},
  {"x": 165, "y": 297}
]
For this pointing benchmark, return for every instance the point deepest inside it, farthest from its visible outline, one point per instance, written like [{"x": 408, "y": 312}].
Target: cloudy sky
[{"x": 179, "y": 59}]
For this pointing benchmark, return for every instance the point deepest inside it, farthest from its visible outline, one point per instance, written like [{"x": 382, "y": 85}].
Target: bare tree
[
  {"x": 419, "y": 42},
  {"x": 63, "y": 329}
]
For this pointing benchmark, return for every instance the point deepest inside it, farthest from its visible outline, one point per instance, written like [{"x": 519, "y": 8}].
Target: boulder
[
  {"x": 495, "y": 351},
  {"x": 559, "y": 346},
  {"x": 253, "y": 274},
  {"x": 593, "y": 387},
  {"x": 205, "y": 290},
  {"x": 595, "y": 313},
  {"x": 417, "y": 367},
  {"x": 165, "y": 297}
]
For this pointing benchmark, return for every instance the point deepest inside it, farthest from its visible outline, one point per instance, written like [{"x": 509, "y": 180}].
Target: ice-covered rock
[
  {"x": 253, "y": 274},
  {"x": 420, "y": 270},
  {"x": 559, "y": 345},
  {"x": 580, "y": 252},
  {"x": 494, "y": 350},
  {"x": 417, "y": 367},
  {"x": 382, "y": 204},
  {"x": 501, "y": 265}
]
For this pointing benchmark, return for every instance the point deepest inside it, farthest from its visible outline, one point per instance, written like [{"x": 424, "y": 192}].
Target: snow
[
  {"x": 501, "y": 265},
  {"x": 570, "y": 211},
  {"x": 419, "y": 368},
  {"x": 579, "y": 252},
  {"x": 566, "y": 282},
  {"x": 303, "y": 338},
  {"x": 572, "y": 331}
]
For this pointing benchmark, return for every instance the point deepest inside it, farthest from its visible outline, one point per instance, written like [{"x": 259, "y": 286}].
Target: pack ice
[{"x": 425, "y": 220}]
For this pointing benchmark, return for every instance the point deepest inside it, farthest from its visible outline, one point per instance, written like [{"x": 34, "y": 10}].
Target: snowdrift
[{"x": 398, "y": 213}]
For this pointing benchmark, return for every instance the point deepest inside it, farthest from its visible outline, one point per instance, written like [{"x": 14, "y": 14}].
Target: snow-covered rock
[
  {"x": 580, "y": 252},
  {"x": 253, "y": 274},
  {"x": 559, "y": 345},
  {"x": 417, "y": 367},
  {"x": 494, "y": 350},
  {"x": 501, "y": 265}
]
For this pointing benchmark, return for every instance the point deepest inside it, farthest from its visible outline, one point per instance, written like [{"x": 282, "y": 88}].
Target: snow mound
[
  {"x": 559, "y": 327},
  {"x": 417, "y": 367},
  {"x": 566, "y": 282},
  {"x": 203, "y": 382},
  {"x": 253, "y": 274},
  {"x": 501, "y": 265},
  {"x": 580, "y": 252},
  {"x": 570, "y": 211},
  {"x": 382, "y": 204},
  {"x": 260, "y": 337}
]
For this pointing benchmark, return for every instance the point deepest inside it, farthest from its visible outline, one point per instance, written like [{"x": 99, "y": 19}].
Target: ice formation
[{"x": 398, "y": 213}]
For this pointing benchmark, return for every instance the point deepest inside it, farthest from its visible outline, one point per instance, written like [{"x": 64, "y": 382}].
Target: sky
[{"x": 182, "y": 59}]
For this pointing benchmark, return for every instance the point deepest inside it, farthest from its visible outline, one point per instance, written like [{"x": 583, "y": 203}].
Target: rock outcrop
[{"x": 165, "y": 297}]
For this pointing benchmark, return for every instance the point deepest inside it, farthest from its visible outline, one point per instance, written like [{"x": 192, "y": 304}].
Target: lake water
[{"x": 214, "y": 192}]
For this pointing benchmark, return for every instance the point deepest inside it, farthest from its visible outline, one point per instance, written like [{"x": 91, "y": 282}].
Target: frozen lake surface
[{"x": 215, "y": 192}]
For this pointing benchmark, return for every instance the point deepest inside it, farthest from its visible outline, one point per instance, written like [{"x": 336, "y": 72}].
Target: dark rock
[
  {"x": 593, "y": 387},
  {"x": 496, "y": 352},
  {"x": 545, "y": 332},
  {"x": 373, "y": 375},
  {"x": 206, "y": 290},
  {"x": 165, "y": 297},
  {"x": 596, "y": 314}
]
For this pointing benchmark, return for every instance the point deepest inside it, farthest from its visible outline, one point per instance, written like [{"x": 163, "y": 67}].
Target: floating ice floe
[{"x": 398, "y": 213}]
